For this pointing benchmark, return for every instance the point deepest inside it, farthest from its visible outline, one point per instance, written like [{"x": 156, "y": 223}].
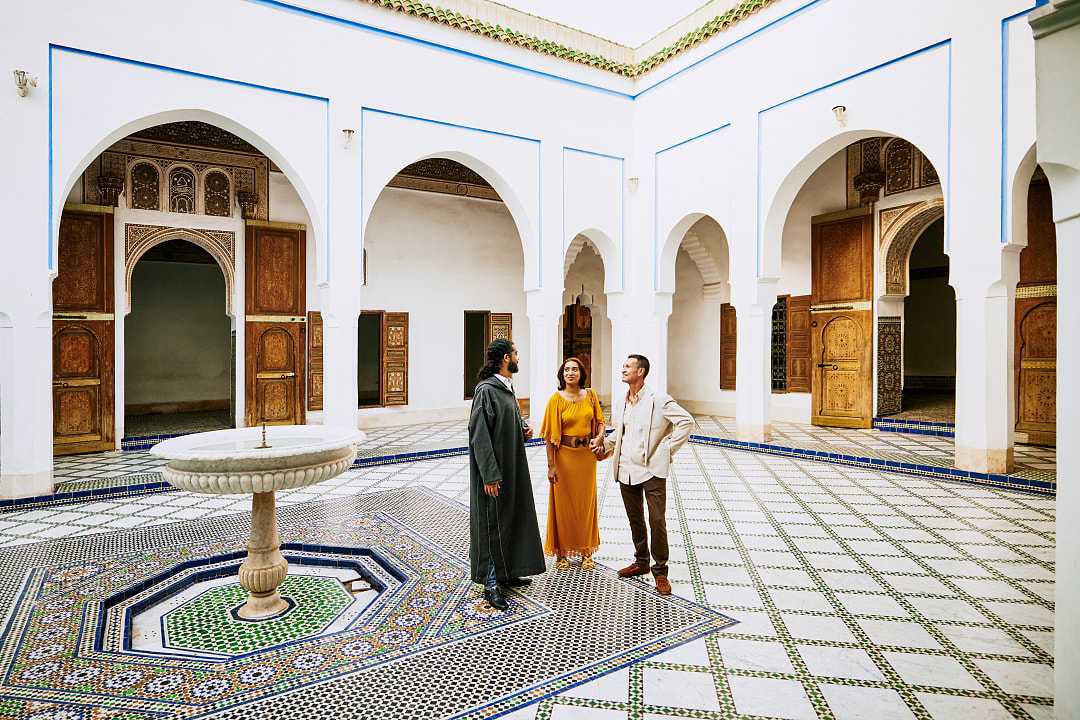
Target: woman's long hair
[
  {"x": 584, "y": 375},
  {"x": 493, "y": 357}
]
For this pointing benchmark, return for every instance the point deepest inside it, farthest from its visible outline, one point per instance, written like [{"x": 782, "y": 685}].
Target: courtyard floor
[{"x": 857, "y": 593}]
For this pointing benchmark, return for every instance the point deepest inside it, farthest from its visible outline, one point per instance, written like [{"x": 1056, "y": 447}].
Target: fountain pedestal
[
  {"x": 264, "y": 568},
  {"x": 229, "y": 462}
]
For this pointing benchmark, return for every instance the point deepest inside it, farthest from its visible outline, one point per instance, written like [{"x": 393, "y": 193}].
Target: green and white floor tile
[{"x": 857, "y": 593}]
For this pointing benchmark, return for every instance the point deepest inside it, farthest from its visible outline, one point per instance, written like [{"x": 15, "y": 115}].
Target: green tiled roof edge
[{"x": 452, "y": 18}]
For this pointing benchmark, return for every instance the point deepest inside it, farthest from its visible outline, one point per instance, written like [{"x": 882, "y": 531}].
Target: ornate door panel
[
  {"x": 500, "y": 325},
  {"x": 395, "y": 359},
  {"x": 1036, "y": 372},
  {"x": 274, "y": 370},
  {"x": 841, "y": 332},
  {"x": 842, "y": 353},
  {"x": 315, "y": 361},
  {"x": 728, "y": 346},
  {"x": 1036, "y": 323},
  {"x": 798, "y": 344},
  {"x": 82, "y": 386},
  {"x": 83, "y": 335},
  {"x": 276, "y": 334}
]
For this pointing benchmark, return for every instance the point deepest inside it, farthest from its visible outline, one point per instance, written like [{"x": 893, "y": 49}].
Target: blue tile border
[
  {"x": 915, "y": 427},
  {"x": 1007, "y": 482},
  {"x": 933, "y": 472}
]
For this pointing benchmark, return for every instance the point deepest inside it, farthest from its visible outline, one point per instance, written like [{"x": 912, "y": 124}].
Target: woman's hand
[{"x": 553, "y": 475}]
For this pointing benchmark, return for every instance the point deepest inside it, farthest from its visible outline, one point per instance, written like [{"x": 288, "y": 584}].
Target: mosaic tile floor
[
  {"x": 858, "y": 593},
  {"x": 1032, "y": 461}
]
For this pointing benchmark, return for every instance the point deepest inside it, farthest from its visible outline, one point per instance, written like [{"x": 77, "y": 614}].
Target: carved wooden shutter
[
  {"x": 798, "y": 343},
  {"x": 83, "y": 334},
  {"x": 728, "y": 346},
  {"x": 395, "y": 359},
  {"x": 315, "y": 361},
  {"x": 500, "y": 325}
]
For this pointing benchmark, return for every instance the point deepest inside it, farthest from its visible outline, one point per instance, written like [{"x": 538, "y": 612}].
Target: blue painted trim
[
  {"x": 357, "y": 25},
  {"x": 622, "y": 206},
  {"x": 771, "y": 25},
  {"x": 900, "y": 58},
  {"x": 656, "y": 193},
  {"x": 1005, "y": 205},
  {"x": 948, "y": 180},
  {"x": 51, "y": 261},
  {"x": 459, "y": 126},
  {"x": 188, "y": 73},
  {"x": 444, "y": 123}
]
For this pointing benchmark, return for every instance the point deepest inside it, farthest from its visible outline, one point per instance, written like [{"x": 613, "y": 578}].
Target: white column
[
  {"x": 984, "y": 362},
  {"x": 753, "y": 360},
  {"x": 339, "y": 298},
  {"x": 26, "y": 453},
  {"x": 1067, "y": 607},
  {"x": 620, "y": 344},
  {"x": 544, "y": 308},
  {"x": 657, "y": 349}
]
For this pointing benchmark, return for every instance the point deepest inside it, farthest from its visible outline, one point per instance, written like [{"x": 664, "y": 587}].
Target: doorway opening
[
  {"x": 370, "y": 349},
  {"x": 179, "y": 355},
  {"x": 929, "y": 331}
]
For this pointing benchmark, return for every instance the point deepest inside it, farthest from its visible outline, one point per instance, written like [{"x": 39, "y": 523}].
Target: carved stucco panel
[
  {"x": 221, "y": 244},
  {"x": 898, "y": 235}
]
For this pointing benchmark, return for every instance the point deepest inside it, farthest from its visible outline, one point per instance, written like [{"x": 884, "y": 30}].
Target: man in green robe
[{"x": 503, "y": 532}]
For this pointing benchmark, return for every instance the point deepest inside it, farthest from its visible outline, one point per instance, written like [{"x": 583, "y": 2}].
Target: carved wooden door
[
  {"x": 1036, "y": 323},
  {"x": 728, "y": 346},
  {"x": 276, "y": 333},
  {"x": 577, "y": 336},
  {"x": 798, "y": 344},
  {"x": 394, "y": 360},
  {"x": 1037, "y": 374},
  {"x": 83, "y": 408},
  {"x": 842, "y": 254}
]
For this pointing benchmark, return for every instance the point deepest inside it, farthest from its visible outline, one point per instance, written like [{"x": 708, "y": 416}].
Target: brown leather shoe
[
  {"x": 662, "y": 585},
  {"x": 634, "y": 570}
]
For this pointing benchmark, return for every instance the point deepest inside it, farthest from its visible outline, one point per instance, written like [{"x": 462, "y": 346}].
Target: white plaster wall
[
  {"x": 177, "y": 335},
  {"x": 435, "y": 256},
  {"x": 923, "y": 70},
  {"x": 824, "y": 192},
  {"x": 694, "y": 344}
]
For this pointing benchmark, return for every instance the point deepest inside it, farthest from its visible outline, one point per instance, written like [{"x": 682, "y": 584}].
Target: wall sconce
[
  {"x": 23, "y": 82},
  {"x": 840, "y": 112},
  {"x": 348, "y": 132},
  {"x": 632, "y": 183}
]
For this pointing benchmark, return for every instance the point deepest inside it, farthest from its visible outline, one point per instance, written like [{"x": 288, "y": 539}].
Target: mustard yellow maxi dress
[{"x": 572, "y": 524}]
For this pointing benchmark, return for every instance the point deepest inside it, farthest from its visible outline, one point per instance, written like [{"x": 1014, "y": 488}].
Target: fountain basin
[
  {"x": 259, "y": 461},
  {"x": 229, "y": 462}
]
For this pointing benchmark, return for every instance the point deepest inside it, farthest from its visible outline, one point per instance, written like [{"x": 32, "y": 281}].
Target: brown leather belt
[{"x": 574, "y": 442}]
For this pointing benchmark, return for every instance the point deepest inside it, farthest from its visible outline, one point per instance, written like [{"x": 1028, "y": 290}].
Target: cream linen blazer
[{"x": 668, "y": 431}]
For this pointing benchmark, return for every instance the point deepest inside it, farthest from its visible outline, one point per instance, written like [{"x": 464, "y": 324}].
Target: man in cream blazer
[{"x": 648, "y": 432}]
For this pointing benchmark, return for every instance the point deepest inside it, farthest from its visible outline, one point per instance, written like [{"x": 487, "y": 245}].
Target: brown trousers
[{"x": 654, "y": 493}]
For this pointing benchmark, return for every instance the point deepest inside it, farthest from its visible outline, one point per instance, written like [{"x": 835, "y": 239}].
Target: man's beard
[{"x": 512, "y": 367}]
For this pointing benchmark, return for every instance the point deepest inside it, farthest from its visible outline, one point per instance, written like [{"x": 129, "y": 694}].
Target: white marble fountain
[{"x": 258, "y": 462}]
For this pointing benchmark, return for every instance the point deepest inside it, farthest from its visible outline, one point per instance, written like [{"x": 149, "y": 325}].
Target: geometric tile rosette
[{"x": 428, "y": 640}]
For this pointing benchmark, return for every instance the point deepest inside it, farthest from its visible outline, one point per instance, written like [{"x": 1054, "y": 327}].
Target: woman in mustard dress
[{"x": 572, "y": 419}]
